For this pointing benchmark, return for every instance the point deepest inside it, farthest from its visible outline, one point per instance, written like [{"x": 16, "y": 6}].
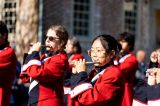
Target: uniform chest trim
[
  {"x": 80, "y": 88},
  {"x": 97, "y": 76},
  {"x": 121, "y": 60},
  {"x": 31, "y": 62},
  {"x": 32, "y": 85}
]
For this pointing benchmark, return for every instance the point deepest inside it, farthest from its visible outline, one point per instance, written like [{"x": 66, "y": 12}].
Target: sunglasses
[{"x": 50, "y": 38}]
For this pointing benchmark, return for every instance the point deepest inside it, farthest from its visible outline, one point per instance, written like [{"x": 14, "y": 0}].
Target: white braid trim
[
  {"x": 31, "y": 62},
  {"x": 32, "y": 85},
  {"x": 80, "y": 88}
]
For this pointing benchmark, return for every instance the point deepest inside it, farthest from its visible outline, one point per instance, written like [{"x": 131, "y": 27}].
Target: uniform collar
[
  {"x": 49, "y": 54},
  {"x": 99, "y": 69},
  {"x": 123, "y": 54}
]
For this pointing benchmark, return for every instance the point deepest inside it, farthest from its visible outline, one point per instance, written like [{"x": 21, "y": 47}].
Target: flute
[
  {"x": 31, "y": 44},
  {"x": 87, "y": 62}
]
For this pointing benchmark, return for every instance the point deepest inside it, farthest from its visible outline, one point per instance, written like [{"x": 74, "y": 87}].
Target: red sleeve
[
  {"x": 7, "y": 74},
  {"x": 7, "y": 62},
  {"x": 72, "y": 58},
  {"x": 107, "y": 88},
  {"x": 24, "y": 77},
  {"x": 7, "y": 66},
  {"x": 7, "y": 58},
  {"x": 129, "y": 66},
  {"x": 51, "y": 70},
  {"x": 77, "y": 57}
]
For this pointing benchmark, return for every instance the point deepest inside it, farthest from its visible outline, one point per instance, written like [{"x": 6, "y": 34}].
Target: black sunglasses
[{"x": 52, "y": 38}]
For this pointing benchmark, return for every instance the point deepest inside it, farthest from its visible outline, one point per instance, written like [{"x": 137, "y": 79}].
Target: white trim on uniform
[
  {"x": 97, "y": 76},
  {"x": 138, "y": 103},
  {"x": 115, "y": 62},
  {"x": 67, "y": 90},
  {"x": 32, "y": 85},
  {"x": 121, "y": 60},
  {"x": 154, "y": 102},
  {"x": 80, "y": 88},
  {"x": 31, "y": 62},
  {"x": 46, "y": 59}
]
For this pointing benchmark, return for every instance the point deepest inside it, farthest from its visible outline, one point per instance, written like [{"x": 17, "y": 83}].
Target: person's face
[
  {"x": 154, "y": 57},
  {"x": 125, "y": 46},
  {"x": 140, "y": 56},
  {"x": 52, "y": 41},
  {"x": 69, "y": 47},
  {"x": 98, "y": 54}
]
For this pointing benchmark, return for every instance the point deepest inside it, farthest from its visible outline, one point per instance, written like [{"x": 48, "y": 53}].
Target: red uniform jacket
[
  {"x": 73, "y": 57},
  {"x": 46, "y": 76},
  {"x": 7, "y": 74},
  {"x": 104, "y": 89},
  {"x": 128, "y": 65},
  {"x": 71, "y": 102}
]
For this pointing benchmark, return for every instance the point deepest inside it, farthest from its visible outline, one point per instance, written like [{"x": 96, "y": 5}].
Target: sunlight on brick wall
[{"x": 27, "y": 26}]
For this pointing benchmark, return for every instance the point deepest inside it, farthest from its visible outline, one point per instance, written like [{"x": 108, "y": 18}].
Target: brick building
[{"x": 28, "y": 20}]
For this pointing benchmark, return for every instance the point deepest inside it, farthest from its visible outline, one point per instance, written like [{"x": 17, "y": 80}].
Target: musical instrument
[
  {"x": 87, "y": 62},
  {"x": 31, "y": 44}
]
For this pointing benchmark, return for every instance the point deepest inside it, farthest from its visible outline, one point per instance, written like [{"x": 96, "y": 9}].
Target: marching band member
[
  {"x": 7, "y": 66},
  {"x": 73, "y": 49},
  {"x": 153, "y": 88},
  {"x": 148, "y": 93},
  {"x": 153, "y": 79},
  {"x": 46, "y": 72},
  {"x": 104, "y": 85},
  {"x": 127, "y": 64},
  {"x": 74, "y": 52}
]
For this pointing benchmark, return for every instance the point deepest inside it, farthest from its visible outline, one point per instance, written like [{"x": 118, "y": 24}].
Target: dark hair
[
  {"x": 109, "y": 43},
  {"x": 3, "y": 30},
  {"x": 129, "y": 38},
  {"x": 62, "y": 33},
  {"x": 76, "y": 44}
]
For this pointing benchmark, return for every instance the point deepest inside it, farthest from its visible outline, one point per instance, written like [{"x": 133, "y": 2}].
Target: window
[
  {"x": 130, "y": 8},
  {"x": 81, "y": 17},
  {"x": 9, "y": 15}
]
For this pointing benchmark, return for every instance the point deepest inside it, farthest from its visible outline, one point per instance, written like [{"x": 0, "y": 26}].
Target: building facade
[{"x": 84, "y": 19}]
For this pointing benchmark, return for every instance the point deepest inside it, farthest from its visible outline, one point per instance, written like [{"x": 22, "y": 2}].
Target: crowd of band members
[{"x": 59, "y": 77}]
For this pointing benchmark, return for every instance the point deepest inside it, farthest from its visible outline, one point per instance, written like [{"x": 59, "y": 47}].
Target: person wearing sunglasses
[
  {"x": 46, "y": 72},
  {"x": 7, "y": 66},
  {"x": 104, "y": 85}
]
